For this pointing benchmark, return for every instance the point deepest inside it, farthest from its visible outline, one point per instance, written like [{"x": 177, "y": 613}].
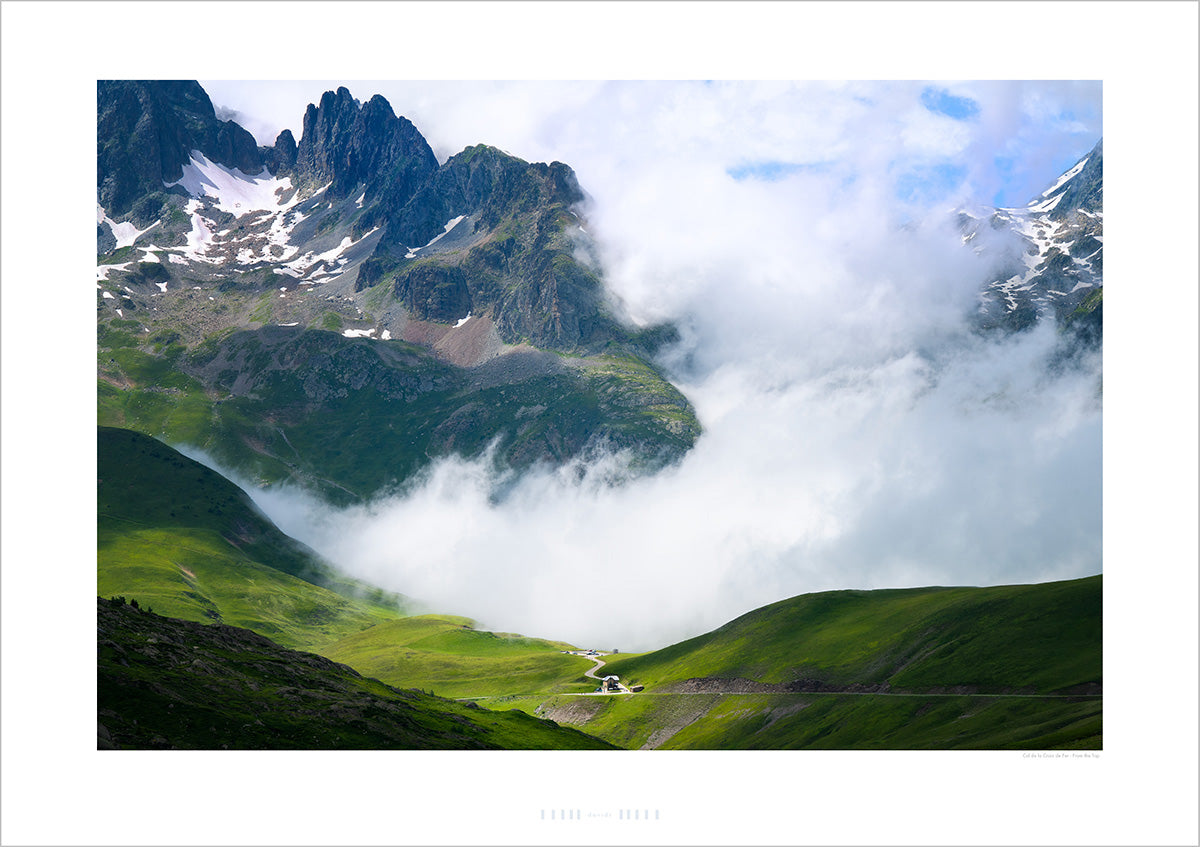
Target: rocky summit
[
  {"x": 1049, "y": 253},
  {"x": 216, "y": 257}
]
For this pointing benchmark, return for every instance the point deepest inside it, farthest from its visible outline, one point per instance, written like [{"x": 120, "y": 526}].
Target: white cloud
[{"x": 856, "y": 435}]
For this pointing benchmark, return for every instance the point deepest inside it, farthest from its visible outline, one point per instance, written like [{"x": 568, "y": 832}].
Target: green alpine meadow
[{"x": 726, "y": 436}]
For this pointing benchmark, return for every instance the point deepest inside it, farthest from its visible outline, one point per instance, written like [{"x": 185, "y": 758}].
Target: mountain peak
[
  {"x": 146, "y": 132},
  {"x": 1080, "y": 187},
  {"x": 1053, "y": 264},
  {"x": 1085, "y": 190},
  {"x": 348, "y": 145}
]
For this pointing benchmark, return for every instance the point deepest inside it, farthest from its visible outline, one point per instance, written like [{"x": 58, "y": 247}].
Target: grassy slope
[
  {"x": 204, "y": 552},
  {"x": 168, "y": 683},
  {"x": 446, "y": 655},
  {"x": 968, "y": 658},
  {"x": 827, "y": 721},
  {"x": 1036, "y": 638},
  {"x": 303, "y": 399},
  {"x": 929, "y": 668},
  {"x": 185, "y": 541}
]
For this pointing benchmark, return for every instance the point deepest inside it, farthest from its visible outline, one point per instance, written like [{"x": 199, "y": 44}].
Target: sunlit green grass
[
  {"x": 196, "y": 575},
  {"x": 448, "y": 656},
  {"x": 187, "y": 542},
  {"x": 888, "y": 722},
  {"x": 1007, "y": 667},
  {"x": 1038, "y": 638},
  {"x": 833, "y": 721}
]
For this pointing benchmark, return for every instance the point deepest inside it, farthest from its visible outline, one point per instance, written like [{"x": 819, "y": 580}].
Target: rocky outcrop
[
  {"x": 434, "y": 292},
  {"x": 349, "y": 145},
  {"x": 146, "y": 132},
  {"x": 521, "y": 261},
  {"x": 1085, "y": 191},
  {"x": 489, "y": 182},
  {"x": 281, "y": 159}
]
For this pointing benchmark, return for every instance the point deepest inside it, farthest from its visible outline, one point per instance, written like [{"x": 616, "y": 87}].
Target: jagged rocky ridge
[
  {"x": 212, "y": 251},
  {"x": 1050, "y": 254},
  {"x": 359, "y": 202}
]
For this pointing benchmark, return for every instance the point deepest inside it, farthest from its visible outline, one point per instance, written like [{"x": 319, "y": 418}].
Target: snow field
[{"x": 235, "y": 192}]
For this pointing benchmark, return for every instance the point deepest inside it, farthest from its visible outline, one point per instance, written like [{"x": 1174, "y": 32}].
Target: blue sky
[
  {"x": 941, "y": 101},
  {"x": 998, "y": 143}
]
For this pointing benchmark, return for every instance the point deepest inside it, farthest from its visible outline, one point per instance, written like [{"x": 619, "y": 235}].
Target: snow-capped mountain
[
  {"x": 1050, "y": 253},
  {"x": 358, "y": 202},
  {"x": 281, "y": 307}
]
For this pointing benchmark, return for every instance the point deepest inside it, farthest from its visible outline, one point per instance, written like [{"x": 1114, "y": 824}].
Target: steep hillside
[
  {"x": 183, "y": 540},
  {"x": 171, "y": 684},
  {"x": 1011, "y": 667},
  {"x": 1033, "y": 639}
]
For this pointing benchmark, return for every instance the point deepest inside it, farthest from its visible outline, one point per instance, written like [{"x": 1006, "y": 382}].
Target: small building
[{"x": 610, "y": 684}]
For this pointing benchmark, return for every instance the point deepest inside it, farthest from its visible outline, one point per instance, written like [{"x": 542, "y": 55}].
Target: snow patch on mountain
[
  {"x": 125, "y": 233},
  {"x": 298, "y": 268},
  {"x": 102, "y": 270},
  {"x": 1047, "y": 205},
  {"x": 235, "y": 192},
  {"x": 199, "y": 239},
  {"x": 1064, "y": 179},
  {"x": 450, "y": 224}
]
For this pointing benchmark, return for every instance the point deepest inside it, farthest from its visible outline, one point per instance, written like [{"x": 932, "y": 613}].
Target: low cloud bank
[
  {"x": 857, "y": 434},
  {"x": 970, "y": 470}
]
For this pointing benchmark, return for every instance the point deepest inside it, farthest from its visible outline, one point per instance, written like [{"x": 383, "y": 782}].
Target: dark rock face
[
  {"x": 1085, "y": 191},
  {"x": 348, "y": 145},
  {"x": 281, "y": 159},
  {"x": 521, "y": 265},
  {"x": 485, "y": 180},
  {"x": 105, "y": 241},
  {"x": 146, "y": 132},
  {"x": 434, "y": 292}
]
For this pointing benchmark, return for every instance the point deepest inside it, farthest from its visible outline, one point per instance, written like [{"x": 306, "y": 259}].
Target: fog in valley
[{"x": 857, "y": 432}]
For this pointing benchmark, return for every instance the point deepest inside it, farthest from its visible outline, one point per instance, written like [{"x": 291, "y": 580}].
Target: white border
[{"x": 1142, "y": 789}]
